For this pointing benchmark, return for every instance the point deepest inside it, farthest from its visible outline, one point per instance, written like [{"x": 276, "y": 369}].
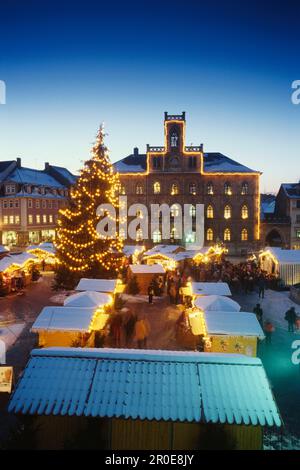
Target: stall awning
[
  {"x": 153, "y": 385},
  {"x": 210, "y": 288},
  {"x": 88, "y": 299},
  {"x": 64, "y": 319},
  {"x": 217, "y": 303}
]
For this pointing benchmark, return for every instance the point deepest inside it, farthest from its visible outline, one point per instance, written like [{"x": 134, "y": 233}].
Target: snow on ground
[
  {"x": 9, "y": 333},
  {"x": 138, "y": 298},
  {"x": 61, "y": 297}
]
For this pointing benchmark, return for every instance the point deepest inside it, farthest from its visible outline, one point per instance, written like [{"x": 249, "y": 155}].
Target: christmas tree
[{"x": 81, "y": 251}]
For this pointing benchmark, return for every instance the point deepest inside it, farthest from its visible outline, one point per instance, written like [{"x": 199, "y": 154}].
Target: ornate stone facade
[{"x": 178, "y": 174}]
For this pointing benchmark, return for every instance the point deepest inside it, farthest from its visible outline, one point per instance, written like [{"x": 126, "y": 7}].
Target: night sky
[{"x": 70, "y": 65}]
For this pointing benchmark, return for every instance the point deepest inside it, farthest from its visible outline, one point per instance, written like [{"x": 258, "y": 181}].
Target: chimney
[
  {"x": 136, "y": 151},
  {"x": 19, "y": 163},
  {"x": 47, "y": 166}
]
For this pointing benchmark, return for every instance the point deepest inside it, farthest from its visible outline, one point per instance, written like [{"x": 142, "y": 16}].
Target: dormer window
[{"x": 10, "y": 189}]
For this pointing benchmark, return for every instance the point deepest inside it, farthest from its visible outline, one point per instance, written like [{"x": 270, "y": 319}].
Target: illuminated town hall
[{"x": 176, "y": 174}]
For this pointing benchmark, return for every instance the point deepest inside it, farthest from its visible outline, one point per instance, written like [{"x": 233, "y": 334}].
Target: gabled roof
[
  {"x": 97, "y": 285},
  {"x": 63, "y": 174},
  {"x": 30, "y": 176},
  {"x": 213, "y": 162},
  {"x": 64, "y": 319},
  {"x": 145, "y": 384},
  {"x": 291, "y": 190},
  {"x": 233, "y": 323},
  {"x": 283, "y": 256}
]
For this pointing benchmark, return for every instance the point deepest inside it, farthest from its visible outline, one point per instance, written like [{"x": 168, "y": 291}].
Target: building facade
[
  {"x": 282, "y": 227},
  {"x": 30, "y": 200},
  {"x": 176, "y": 174}
]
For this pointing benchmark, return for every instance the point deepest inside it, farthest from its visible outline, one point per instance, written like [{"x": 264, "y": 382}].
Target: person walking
[
  {"x": 150, "y": 293},
  {"x": 141, "y": 332},
  {"x": 269, "y": 329},
  {"x": 290, "y": 317},
  {"x": 261, "y": 286},
  {"x": 259, "y": 313},
  {"x": 129, "y": 323}
]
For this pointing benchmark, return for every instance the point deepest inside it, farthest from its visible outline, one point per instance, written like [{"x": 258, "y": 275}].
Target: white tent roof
[
  {"x": 284, "y": 256},
  {"x": 217, "y": 303},
  {"x": 45, "y": 246},
  {"x": 163, "y": 250},
  {"x": 233, "y": 323},
  {"x": 97, "y": 285},
  {"x": 210, "y": 288},
  {"x": 18, "y": 260},
  {"x": 88, "y": 299},
  {"x": 64, "y": 318},
  {"x": 147, "y": 269}
]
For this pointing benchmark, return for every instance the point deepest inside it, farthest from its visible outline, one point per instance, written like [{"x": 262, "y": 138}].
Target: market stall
[
  {"x": 216, "y": 303},
  {"x": 144, "y": 275},
  {"x": 45, "y": 252},
  {"x": 284, "y": 264},
  {"x": 17, "y": 271},
  {"x": 69, "y": 326},
  {"x": 226, "y": 332},
  {"x": 108, "y": 286}
]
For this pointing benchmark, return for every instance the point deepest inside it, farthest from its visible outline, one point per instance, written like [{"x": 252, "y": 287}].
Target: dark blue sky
[{"x": 70, "y": 65}]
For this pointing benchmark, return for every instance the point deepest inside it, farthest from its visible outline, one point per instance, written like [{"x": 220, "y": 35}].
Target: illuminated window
[
  {"x": 139, "y": 214},
  {"x": 193, "y": 189},
  {"x": 244, "y": 235},
  {"x": 190, "y": 237},
  {"x": 210, "y": 235},
  {"x": 156, "y": 236},
  {"x": 192, "y": 211},
  {"x": 210, "y": 212},
  {"x": 227, "y": 189},
  {"x": 227, "y": 235},
  {"x": 156, "y": 187},
  {"x": 139, "y": 235},
  {"x": 30, "y": 219},
  {"x": 245, "y": 212},
  {"x": 174, "y": 189},
  {"x": 122, "y": 189},
  {"x": 17, "y": 219},
  {"x": 245, "y": 188},
  {"x": 5, "y": 220},
  {"x": 210, "y": 188},
  {"x": 11, "y": 219},
  {"x": 174, "y": 233},
  {"x": 175, "y": 210},
  {"x": 51, "y": 219},
  {"x": 227, "y": 212},
  {"x": 139, "y": 189},
  {"x": 38, "y": 219},
  {"x": 44, "y": 219}
]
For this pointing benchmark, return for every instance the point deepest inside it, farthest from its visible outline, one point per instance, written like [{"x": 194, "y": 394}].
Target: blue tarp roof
[{"x": 145, "y": 384}]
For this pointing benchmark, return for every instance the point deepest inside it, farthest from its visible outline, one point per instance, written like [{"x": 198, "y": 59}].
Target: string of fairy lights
[{"x": 79, "y": 246}]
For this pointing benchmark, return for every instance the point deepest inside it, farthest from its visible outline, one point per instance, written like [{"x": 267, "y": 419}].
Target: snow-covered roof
[
  {"x": 163, "y": 250},
  {"x": 284, "y": 256},
  {"x": 130, "y": 250},
  {"x": 88, "y": 299},
  {"x": 233, "y": 323},
  {"x": 18, "y": 260},
  {"x": 210, "y": 288},
  {"x": 97, "y": 285},
  {"x": 64, "y": 319},
  {"x": 217, "y": 303},
  {"x": 45, "y": 246},
  {"x": 30, "y": 176},
  {"x": 194, "y": 387},
  {"x": 147, "y": 269},
  {"x": 292, "y": 190},
  {"x": 213, "y": 162}
]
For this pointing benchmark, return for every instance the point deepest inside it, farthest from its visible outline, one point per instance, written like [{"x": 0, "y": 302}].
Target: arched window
[
  {"x": 156, "y": 187},
  {"x": 192, "y": 211},
  {"x": 139, "y": 189},
  {"x": 139, "y": 235},
  {"x": 174, "y": 189},
  {"x": 210, "y": 212},
  {"x": 244, "y": 235},
  {"x": 227, "y": 212},
  {"x": 174, "y": 233},
  {"x": 210, "y": 188},
  {"x": 227, "y": 189},
  {"x": 139, "y": 214},
  {"x": 122, "y": 233},
  {"x": 193, "y": 189},
  {"x": 227, "y": 235},
  {"x": 156, "y": 236},
  {"x": 175, "y": 210},
  {"x": 245, "y": 212},
  {"x": 209, "y": 235},
  {"x": 245, "y": 188}
]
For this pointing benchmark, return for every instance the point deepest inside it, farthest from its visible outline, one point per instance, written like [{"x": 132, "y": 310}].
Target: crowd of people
[{"x": 127, "y": 328}]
